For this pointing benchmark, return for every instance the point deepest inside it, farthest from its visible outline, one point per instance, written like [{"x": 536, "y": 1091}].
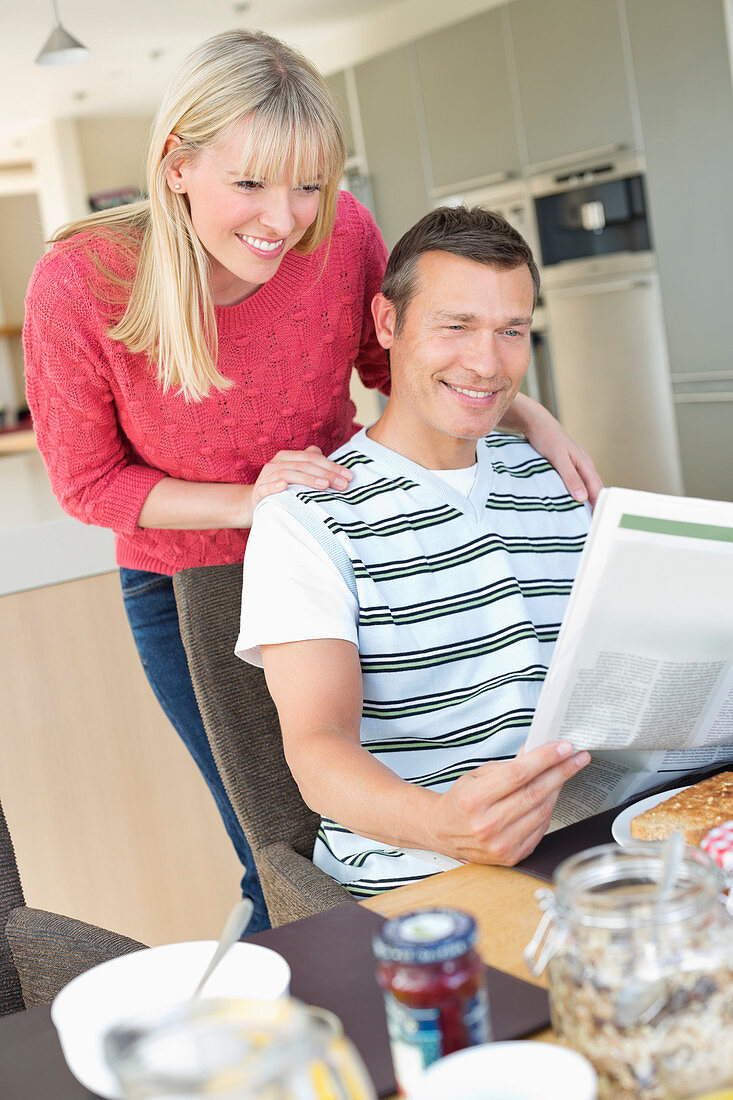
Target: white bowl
[
  {"x": 509, "y": 1071},
  {"x": 153, "y": 980}
]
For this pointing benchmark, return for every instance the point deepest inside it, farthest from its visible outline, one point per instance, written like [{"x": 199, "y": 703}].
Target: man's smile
[{"x": 474, "y": 394}]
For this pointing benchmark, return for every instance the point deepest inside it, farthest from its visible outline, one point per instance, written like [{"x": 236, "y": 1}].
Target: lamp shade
[{"x": 61, "y": 48}]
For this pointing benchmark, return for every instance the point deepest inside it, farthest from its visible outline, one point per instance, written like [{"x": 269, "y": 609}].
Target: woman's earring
[{"x": 176, "y": 187}]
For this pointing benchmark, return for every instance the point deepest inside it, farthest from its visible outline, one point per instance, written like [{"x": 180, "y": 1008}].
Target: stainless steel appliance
[{"x": 605, "y": 326}]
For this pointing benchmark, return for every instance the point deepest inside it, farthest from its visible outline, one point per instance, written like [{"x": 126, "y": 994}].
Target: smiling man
[{"x": 406, "y": 623}]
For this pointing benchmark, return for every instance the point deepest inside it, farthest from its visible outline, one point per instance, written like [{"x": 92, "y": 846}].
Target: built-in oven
[{"x": 591, "y": 216}]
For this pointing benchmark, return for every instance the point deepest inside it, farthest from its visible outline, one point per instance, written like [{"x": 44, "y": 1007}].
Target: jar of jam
[{"x": 434, "y": 989}]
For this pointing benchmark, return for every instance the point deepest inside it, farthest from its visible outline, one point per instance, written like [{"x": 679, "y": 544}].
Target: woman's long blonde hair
[{"x": 294, "y": 128}]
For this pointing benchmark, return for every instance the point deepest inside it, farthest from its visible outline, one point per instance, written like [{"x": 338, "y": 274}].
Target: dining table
[
  {"x": 332, "y": 964},
  {"x": 32, "y": 1066}
]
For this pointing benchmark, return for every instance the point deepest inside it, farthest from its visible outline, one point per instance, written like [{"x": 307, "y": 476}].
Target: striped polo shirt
[{"x": 460, "y": 602}]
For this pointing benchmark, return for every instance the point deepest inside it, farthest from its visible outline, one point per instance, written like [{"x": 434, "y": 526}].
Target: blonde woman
[{"x": 188, "y": 355}]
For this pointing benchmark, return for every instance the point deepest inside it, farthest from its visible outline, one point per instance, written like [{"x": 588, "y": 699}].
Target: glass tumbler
[{"x": 237, "y": 1050}]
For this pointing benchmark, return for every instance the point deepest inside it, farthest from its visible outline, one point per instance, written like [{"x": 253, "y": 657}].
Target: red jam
[{"x": 434, "y": 989}]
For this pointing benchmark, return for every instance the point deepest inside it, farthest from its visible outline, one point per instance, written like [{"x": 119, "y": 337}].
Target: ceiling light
[{"x": 61, "y": 48}]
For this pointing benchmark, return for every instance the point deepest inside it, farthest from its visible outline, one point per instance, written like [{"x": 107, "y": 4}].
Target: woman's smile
[{"x": 261, "y": 246}]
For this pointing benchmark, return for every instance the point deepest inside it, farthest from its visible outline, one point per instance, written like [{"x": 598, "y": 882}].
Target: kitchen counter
[
  {"x": 17, "y": 441},
  {"x": 39, "y": 543}
]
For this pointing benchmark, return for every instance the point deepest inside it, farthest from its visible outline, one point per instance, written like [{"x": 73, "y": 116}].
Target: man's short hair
[{"x": 471, "y": 233}]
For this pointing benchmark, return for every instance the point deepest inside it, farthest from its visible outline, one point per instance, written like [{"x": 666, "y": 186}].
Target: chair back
[
  {"x": 238, "y": 713},
  {"x": 11, "y": 897}
]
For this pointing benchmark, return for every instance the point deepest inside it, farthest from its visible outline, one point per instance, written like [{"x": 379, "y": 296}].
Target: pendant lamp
[{"x": 61, "y": 48}]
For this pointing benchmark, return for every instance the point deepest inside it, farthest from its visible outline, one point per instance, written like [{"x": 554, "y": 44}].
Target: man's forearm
[
  {"x": 496, "y": 813},
  {"x": 340, "y": 779}
]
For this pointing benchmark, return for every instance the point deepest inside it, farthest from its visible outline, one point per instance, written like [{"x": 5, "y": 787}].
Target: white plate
[
  {"x": 621, "y": 828},
  {"x": 509, "y": 1071},
  {"x": 153, "y": 980}
]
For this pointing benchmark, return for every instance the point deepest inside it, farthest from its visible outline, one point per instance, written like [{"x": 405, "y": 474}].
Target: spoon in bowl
[{"x": 234, "y": 928}]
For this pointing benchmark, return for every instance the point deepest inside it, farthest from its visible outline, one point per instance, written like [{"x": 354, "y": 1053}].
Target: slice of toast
[{"x": 694, "y": 811}]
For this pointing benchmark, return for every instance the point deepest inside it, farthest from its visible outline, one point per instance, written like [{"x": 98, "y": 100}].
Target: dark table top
[
  {"x": 332, "y": 965},
  {"x": 32, "y": 1066}
]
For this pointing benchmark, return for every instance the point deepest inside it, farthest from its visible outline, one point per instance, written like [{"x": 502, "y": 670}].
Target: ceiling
[{"x": 135, "y": 47}]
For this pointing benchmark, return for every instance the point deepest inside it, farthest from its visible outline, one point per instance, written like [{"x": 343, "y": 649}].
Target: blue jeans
[{"x": 151, "y": 611}]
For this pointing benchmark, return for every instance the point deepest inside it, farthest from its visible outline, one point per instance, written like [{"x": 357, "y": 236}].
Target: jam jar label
[
  {"x": 416, "y": 1034},
  {"x": 476, "y": 1018},
  {"x": 415, "y": 1038}
]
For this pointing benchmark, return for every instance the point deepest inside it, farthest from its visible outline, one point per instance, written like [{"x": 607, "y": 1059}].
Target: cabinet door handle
[
  {"x": 595, "y": 288},
  {"x": 712, "y": 397}
]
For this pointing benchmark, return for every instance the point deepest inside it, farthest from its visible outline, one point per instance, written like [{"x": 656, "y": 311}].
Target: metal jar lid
[{"x": 426, "y": 936}]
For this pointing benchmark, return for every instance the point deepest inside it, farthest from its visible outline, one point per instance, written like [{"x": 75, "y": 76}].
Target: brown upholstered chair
[
  {"x": 244, "y": 733},
  {"x": 39, "y": 951}
]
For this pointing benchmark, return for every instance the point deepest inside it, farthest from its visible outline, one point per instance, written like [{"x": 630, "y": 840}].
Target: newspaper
[
  {"x": 615, "y": 777},
  {"x": 642, "y": 673},
  {"x": 644, "y": 657}
]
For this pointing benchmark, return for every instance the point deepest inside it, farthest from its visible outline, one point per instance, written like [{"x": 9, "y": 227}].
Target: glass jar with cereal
[{"x": 638, "y": 979}]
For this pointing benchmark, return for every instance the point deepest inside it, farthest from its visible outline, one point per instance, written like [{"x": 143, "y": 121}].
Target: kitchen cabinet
[
  {"x": 611, "y": 377},
  {"x": 111, "y": 820},
  {"x": 686, "y": 105},
  {"x": 572, "y": 77},
  {"x": 469, "y": 114},
  {"x": 337, "y": 84},
  {"x": 386, "y": 87},
  {"x": 706, "y": 442},
  {"x": 11, "y": 379}
]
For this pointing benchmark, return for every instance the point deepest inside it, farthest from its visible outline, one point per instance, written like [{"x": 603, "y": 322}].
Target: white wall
[
  {"x": 59, "y": 173},
  {"x": 21, "y": 245},
  {"x": 112, "y": 151}
]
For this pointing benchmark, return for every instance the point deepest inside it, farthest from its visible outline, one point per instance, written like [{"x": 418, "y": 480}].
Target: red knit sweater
[{"x": 108, "y": 433}]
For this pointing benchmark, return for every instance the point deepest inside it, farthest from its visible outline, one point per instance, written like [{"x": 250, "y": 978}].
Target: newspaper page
[
  {"x": 644, "y": 657},
  {"x": 615, "y": 777}
]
